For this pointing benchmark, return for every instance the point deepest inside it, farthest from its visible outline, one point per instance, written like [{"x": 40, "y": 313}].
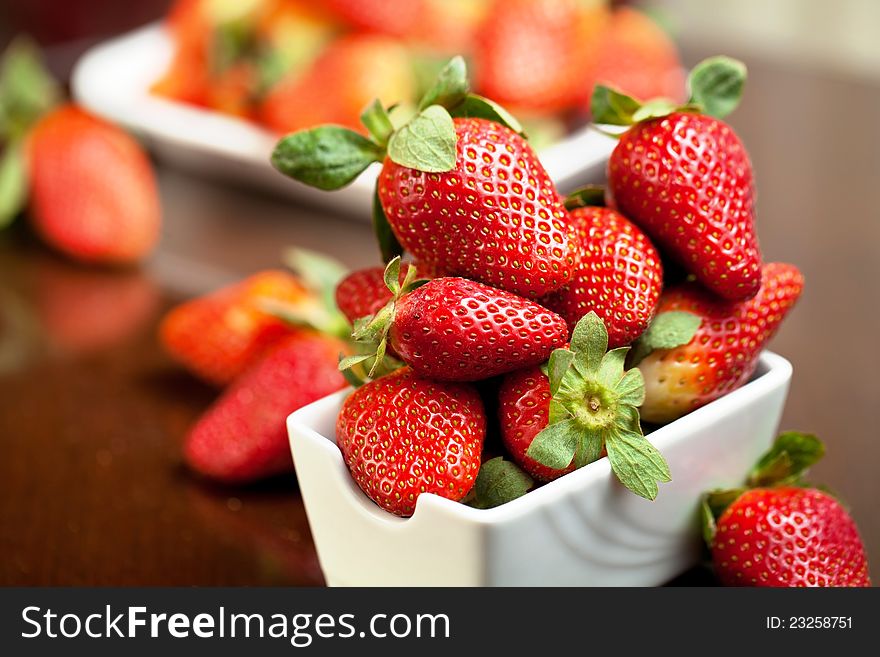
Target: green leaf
[
  {"x": 653, "y": 109},
  {"x": 427, "y": 143},
  {"x": 451, "y": 86},
  {"x": 377, "y": 122},
  {"x": 787, "y": 460},
  {"x": 388, "y": 244},
  {"x": 589, "y": 447},
  {"x": 589, "y": 340},
  {"x": 668, "y": 330},
  {"x": 586, "y": 196},
  {"x": 499, "y": 482},
  {"x": 477, "y": 107},
  {"x": 718, "y": 500},
  {"x": 707, "y": 521},
  {"x": 637, "y": 463},
  {"x": 610, "y": 370},
  {"x": 612, "y": 107},
  {"x": 631, "y": 388},
  {"x": 392, "y": 276},
  {"x": 327, "y": 157},
  {"x": 372, "y": 329},
  {"x": 350, "y": 361},
  {"x": 13, "y": 183},
  {"x": 560, "y": 360},
  {"x": 27, "y": 89},
  {"x": 556, "y": 445},
  {"x": 716, "y": 85}
]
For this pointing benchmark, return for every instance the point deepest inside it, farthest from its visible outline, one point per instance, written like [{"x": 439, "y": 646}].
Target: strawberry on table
[
  {"x": 720, "y": 350},
  {"x": 685, "y": 178},
  {"x": 243, "y": 437},
  {"x": 620, "y": 276},
  {"x": 778, "y": 531},
  {"x": 459, "y": 188},
  {"x": 402, "y": 435},
  {"x": 585, "y": 403}
]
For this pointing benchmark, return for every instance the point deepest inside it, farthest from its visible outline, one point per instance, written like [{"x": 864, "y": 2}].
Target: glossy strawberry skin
[
  {"x": 455, "y": 329},
  {"x": 93, "y": 191},
  {"x": 620, "y": 276},
  {"x": 496, "y": 218},
  {"x": 784, "y": 537},
  {"x": 402, "y": 435},
  {"x": 523, "y": 412},
  {"x": 219, "y": 335},
  {"x": 724, "y": 351},
  {"x": 686, "y": 180},
  {"x": 242, "y": 437}
]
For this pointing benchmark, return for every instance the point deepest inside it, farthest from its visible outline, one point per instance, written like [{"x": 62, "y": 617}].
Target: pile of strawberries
[{"x": 556, "y": 312}]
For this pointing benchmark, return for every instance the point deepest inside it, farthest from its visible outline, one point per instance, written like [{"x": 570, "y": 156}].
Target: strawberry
[
  {"x": 685, "y": 178},
  {"x": 539, "y": 55},
  {"x": 93, "y": 193},
  {"x": 455, "y": 329},
  {"x": 363, "y": 293},
  {"x": 583, "y": 406},
  {"x": 337, "y": 86},
  {"x": 402, "y": 436},
  {"x": 721, "y": 351},
  {"x": 459, "y": 188},
  {"x": 779, "y": 531},
  {"x": 620, "y": 276},
  {"x": 394, "y": 17},
  {"x": 639, "y": 58},
  {"x": 242, "y": 437},
  {"x": 219, "y": 335}
]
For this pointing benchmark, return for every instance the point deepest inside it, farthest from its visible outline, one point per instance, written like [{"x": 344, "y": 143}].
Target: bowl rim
[{"x": 774, "y": 370}]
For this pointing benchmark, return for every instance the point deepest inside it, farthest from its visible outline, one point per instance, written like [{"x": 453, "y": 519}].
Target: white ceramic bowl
[
  {"x": 584, "y": 529},
  {"x": 113, "y": 80}
]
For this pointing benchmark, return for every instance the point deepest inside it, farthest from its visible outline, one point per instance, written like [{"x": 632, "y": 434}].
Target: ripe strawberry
[
  {"x": 93, "y": 193},
  {"x": 620, "y": 276},
  {"x": 779, "y": 531},
  {"x": 455, "y": 329},
  {"x": 639, "y": 58},
  {"x": 219, "y": 335},
  {"x": 402, "y": 436},
  {"x": 583, "y": 407},
  {"x": 363, "y": 293},
  {"x": 394, "y": 17},
  {"x": 242, "y": 437},
  {"x": 724, "y": 350},
  {"x": 496, "y": 217},
  {"x": 539, "y": 55},
  {"x": 337, "y": 86}
]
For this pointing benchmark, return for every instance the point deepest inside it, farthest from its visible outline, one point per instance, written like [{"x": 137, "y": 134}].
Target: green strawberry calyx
[
  {"x": 786, "y": 463},
  {"x": 498, "y": 482},
  {"x": 668, "y": 330},
  {"x": 715, "y": 87},
  {"x": 594, "y": 407}
]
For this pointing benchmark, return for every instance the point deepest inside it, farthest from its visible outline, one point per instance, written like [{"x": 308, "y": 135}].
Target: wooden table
[{"x": 92, "y": 413}]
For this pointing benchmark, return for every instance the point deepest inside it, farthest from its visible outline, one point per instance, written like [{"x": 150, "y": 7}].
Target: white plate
[
  {"x": 113, "y": 81},
  {"x": 583, "y": 529}
]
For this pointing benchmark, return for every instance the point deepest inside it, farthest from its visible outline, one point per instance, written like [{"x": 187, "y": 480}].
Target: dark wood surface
[{"x": 92, "y": 413}]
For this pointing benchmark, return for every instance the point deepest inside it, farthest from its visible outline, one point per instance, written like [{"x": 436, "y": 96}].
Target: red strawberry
[
  {"x": 583, "y": 407},
  {"x": 779, "y": 531},
  {"x": 496, "y": 217},
  {"x": 723, "y": 352},
  {"x": 620, "y": 276},
  {"x": 218, "y": 335},
  {"x": 363, "y": 292},
  {"x": 687, "y": 181},
  {"x": 402, "y": 436},
  {"x": 454, "y": 329},
  {"x": 394, "y": 17},
  {"x": 93, "y": 191},
  {"x": 539, "y": 55},
  {"x": 638, "y": 57},
  {"x": 242, "y": 437}
]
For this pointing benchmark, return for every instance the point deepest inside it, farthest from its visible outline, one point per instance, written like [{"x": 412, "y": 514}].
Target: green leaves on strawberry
[
  {"x": 594, "y": 406},
  {"x": 498, "y": 482}
]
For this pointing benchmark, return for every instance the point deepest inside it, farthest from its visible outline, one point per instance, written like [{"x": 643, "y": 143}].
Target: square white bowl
[
  {"x": 113, "y": 80},
  {"x": 584, "y": 529}
]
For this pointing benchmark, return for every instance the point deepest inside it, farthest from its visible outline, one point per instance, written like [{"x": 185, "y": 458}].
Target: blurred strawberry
[
  {"x": 639, "y": 58},
  {"x": 539, "y": 55},
  {"x": 219, "y": 335},
  {"x": 233, "y": 90},
  {"x": 451, "y": 25},
  {"x": 186, "y": 78},
  {"x": 347, "y": 76},
  {"x": 93, "y": 193},
  {"x": 392, "y": 17},
  {"x": 243, "y": 437}
]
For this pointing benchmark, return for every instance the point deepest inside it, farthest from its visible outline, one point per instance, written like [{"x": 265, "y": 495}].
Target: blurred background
[{"x": 93, "y": 411}]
